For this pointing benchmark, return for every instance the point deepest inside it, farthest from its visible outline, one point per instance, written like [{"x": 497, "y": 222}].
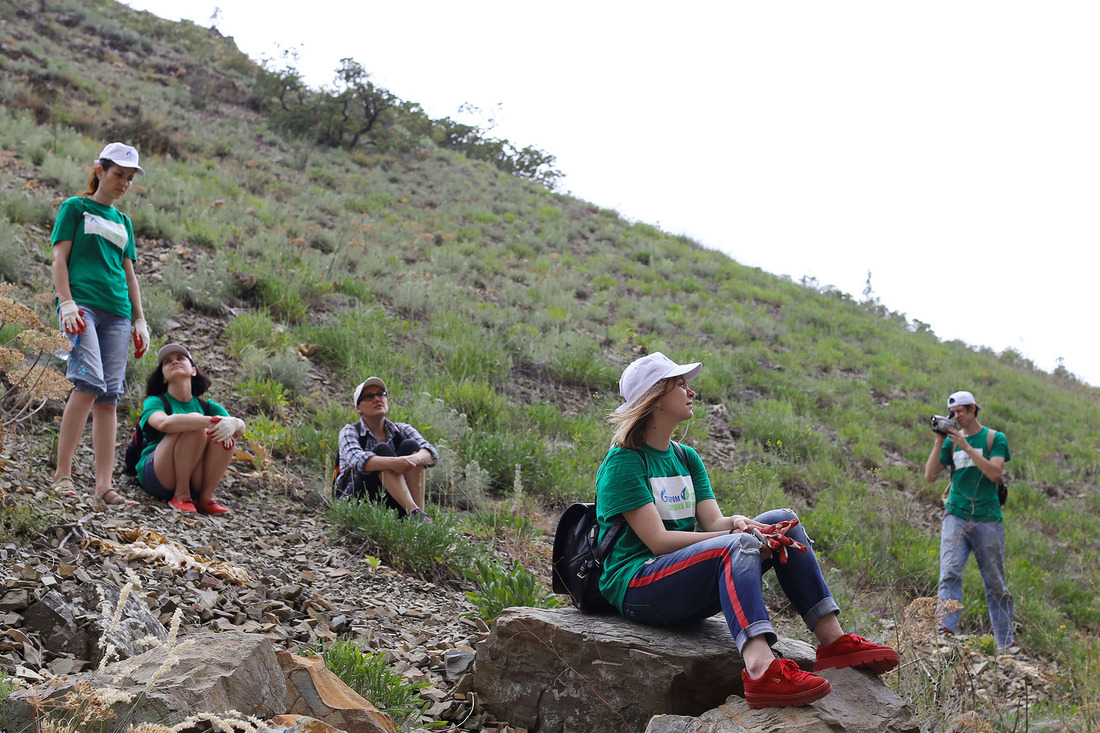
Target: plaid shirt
[{"x": 352, "y": 456}]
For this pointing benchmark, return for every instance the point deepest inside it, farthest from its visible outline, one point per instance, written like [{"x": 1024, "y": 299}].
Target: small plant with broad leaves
[
  {"x": 499, "y": 588},
  {"x": 370, "y": 676}
]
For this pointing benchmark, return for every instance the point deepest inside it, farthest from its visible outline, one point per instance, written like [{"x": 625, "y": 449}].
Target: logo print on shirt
[
  {"x": 112, "y": 231},
  {"x": 673, "y": 497}
]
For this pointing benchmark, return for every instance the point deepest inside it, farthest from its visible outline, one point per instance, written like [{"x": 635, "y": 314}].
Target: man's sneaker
[
  {"x": 184, "y": 505},
  {"x": 855, "y": 651},
  {"x": 784, "y": 685}
]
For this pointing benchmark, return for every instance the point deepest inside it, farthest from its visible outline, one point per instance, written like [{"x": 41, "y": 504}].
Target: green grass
[{"x": 429, "y": 550}]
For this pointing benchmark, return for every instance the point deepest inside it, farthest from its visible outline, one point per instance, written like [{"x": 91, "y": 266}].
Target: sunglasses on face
[{"x": 372, "y": 395}]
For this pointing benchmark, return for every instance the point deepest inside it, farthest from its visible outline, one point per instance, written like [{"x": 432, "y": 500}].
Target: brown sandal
[{"x": 110, "y": 497}]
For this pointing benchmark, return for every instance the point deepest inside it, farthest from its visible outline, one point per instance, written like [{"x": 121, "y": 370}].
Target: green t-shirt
[
  {"x": 623, "y": 483},
  {"x": 153, "y": 436},
  {"x": 973, "y": 496},
  {"x": 102, "y": 238}
]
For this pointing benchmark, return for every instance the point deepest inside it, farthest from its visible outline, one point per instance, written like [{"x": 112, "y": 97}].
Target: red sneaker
[
  {"x": 855, "y": 651},
  {"x": 184, "y": 505},
  {"x": 213, "y": 507},
  {"x": 784, "y": 685}
]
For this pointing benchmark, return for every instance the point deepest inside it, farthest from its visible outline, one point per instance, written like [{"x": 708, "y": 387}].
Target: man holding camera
[{"x": 972, "y": 519}]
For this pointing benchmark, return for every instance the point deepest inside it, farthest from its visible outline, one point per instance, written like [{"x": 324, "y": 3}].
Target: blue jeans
[
  {"x": 97, "y": 362},
  {"x": 726, "y": 574},
  {"x": 960, "y": 537}
]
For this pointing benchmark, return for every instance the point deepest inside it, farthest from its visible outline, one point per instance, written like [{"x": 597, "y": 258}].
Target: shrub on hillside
[{"x": 433, "y": 550}]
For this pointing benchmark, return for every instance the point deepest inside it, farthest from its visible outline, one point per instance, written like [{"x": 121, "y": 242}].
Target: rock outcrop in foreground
[{"x": 557, "y": 670}]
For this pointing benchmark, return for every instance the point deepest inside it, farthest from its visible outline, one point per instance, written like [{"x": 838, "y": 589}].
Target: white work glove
[
  {"x": 141, "y": 338},
  {"x": 223, "y": 430},
  {"x": 72, "y": 318}
]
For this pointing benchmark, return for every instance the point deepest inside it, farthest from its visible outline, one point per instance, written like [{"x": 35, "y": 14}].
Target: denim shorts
[{"x": 97, "y": 362}]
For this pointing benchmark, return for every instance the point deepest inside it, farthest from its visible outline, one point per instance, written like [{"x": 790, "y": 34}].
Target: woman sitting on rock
[
  {"x": 188, "y": 442},
  {"x": 662, "y": 571}
]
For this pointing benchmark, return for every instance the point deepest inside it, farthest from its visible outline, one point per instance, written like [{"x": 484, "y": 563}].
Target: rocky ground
[{"x": 272, "y": 567}]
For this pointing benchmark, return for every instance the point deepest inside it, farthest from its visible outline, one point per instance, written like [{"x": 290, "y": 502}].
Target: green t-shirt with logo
[
  {"x": 102, "y": 238},
  {"x": 624, "y": 483},
  {"x": 153, "y": 437},
  {"x": 973, "y": 496}
]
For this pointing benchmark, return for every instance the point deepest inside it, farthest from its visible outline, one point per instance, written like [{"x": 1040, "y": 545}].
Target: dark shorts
[
  {"x": 152, "y": 484},
  {"x": 369, "y": 483}
]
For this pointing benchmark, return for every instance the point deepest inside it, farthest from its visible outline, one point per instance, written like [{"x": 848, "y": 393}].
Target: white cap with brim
[
  {"x": 369, "y": 382},
  {"x": 958, "y": 399},
  {"x": 121, "y": 154},
  {"x": 643, "y": 373}
]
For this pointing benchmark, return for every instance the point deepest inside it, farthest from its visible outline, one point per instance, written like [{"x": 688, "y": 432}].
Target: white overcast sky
[{"x": 952, "y": 149}]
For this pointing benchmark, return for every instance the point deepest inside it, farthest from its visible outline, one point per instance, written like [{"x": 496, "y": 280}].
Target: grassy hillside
[{"x": 501, "y": 314}]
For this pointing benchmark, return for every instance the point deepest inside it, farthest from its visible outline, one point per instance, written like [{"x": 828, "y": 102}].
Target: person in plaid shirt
[{"x": 382, "y": 459}]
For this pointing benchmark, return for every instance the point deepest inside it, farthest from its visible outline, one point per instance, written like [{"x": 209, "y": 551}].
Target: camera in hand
[{"x": 941, "y": 424}]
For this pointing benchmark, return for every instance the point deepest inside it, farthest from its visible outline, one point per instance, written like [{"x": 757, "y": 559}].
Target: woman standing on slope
[
  {"x": 188, "y": 442},
  {"x": 661, "y": 571},
  {"x": 99, "y": 306}
]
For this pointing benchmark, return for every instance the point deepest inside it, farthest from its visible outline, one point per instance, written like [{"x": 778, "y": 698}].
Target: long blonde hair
[{"x": 630, "y": 423}]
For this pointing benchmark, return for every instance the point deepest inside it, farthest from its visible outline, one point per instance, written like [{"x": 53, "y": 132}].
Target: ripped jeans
[
  {"x": 726, "y": 574},
  {"x": 986, "y": 540}
]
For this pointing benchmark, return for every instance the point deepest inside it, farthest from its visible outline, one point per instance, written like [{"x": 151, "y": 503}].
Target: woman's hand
[
  {"x": 741, "y": 523},
  {"x": 141, "y": 338},
  {"x": 223, "y": 431},
  {"x": 72, "y": 318}
]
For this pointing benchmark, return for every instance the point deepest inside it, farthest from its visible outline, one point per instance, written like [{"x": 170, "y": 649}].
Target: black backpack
[
  {"x": 138, "y": 438},
  {"x": 578, "y": 554}
]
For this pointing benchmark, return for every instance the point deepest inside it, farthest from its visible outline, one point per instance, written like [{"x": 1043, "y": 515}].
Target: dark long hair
[
  {"x": 155, "y": 384},
  {"x": 93, "y": 180}
]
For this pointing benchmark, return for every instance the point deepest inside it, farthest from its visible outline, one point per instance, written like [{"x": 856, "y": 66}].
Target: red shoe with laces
[
  {"x": 213, "y": 507},
  {"x": 855, "y": 651},
  {"x": 784, "y": 684},
  {"x": 184, "y": 505}
]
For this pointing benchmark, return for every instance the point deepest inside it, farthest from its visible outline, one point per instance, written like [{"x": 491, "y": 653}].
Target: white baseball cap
[
  {"x": 958, "y": 399},
  {"x": 369, "y": 382},
  {"x": 643, "y": 373},
  {"x": 121, "y": 154}
]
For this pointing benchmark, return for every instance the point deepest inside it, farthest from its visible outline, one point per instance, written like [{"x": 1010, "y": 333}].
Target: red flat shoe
[
  {"x": 184, "y": 505},
  {"x": 213, "y": 507}
]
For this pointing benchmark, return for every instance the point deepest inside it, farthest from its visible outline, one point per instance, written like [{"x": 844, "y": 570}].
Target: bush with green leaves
[
  {"x": 288, "y": 369},
  {"x": 257, "y": 329},
  {"x": 265, "y": 395},
  {"x": 370, "y": 675},
  {"x": 206, "y": 288},
  {"x": 276, "y": 436},
  {"x": 433, "y": 549},
  {"x": 159, "y": 306},
  {"x": 12, "y": 252},
  {"x": 499, "y": 588},
  {"x": 22, "y": 522}
]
